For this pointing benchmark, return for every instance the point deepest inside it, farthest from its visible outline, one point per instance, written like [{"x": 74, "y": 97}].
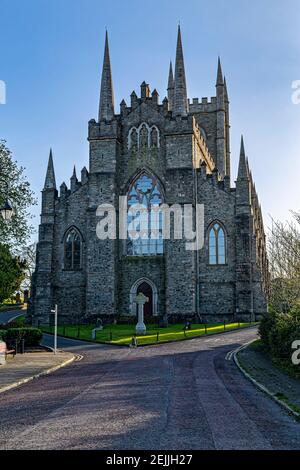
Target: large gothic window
[
  {"x": 216, "y": 245},
  {"x": 73, "y": 247},
  {"x": 145, "y": 218}
]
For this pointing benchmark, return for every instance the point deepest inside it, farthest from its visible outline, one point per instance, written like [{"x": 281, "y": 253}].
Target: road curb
[
  {"x": 259, "y": 385},
  {"x": 36, "y": 376}
]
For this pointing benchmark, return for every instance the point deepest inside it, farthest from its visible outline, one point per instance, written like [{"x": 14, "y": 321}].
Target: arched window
[
  {"x": 145, "y": 218},
  {"x": 143, "y": 136},
  {"x": 154, "y": 137},
  {"x": 132, "y": 138},
  {"x": 73, "y": 246},
  {"x": 216, "y": 245}
]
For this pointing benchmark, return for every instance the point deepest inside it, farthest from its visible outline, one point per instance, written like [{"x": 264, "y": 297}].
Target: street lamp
[{"x": 6, "y": 211}]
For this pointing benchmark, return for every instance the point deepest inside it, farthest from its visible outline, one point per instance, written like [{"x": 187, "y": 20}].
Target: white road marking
[{"x": 230, "y": 354}]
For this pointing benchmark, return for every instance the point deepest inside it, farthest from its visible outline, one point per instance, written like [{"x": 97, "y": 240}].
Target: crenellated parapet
[{"x": 206, "y": 105}]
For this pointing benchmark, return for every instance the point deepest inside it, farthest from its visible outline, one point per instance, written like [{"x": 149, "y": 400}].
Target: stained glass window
[
  {"x": 216, "y": 245},
  {"x": 145, "y": 221}
]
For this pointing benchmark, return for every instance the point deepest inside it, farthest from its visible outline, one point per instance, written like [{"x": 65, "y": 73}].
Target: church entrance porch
[{"x": 148, "y": 288}]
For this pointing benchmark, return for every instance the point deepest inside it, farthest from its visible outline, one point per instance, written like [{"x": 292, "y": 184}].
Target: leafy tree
[
  {"x": 28, "y": 255},
  {"x": 11, "y": 272},
  {"x": 284, "y": 258},
  {"x": 15, "y": 188}
]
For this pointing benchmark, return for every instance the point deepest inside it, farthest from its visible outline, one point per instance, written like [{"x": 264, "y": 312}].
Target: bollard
[
  {"x": 22, "y": 346},
  {"x": 16, "y": 346}
]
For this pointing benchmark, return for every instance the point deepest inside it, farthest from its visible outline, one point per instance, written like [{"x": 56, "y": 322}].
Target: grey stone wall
[{"x": 186, "y": 283}]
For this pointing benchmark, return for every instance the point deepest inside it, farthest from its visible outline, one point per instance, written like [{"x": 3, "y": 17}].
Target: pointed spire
[
  {"x": 63, "y": 190},
  {"x": 106, "y": 108},
  {"x": 220, "y": 81},
  {"x": 155, "y": 96},
  {"x": 50, "y": 175},
  {"x": 180, "y": 104},
  {"x": 74, "y": 173},
  {"x": 74, "y": 180},
  {"x": 226, "y": 91},
  {"x": 243, "y": 169},
  {"x": 171, "y": 77},
  {"x": 171, "y": 87}
]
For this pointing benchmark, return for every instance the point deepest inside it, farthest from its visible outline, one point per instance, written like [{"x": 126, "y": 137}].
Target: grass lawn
[
  {"x": 122, "y": 334},
  {"x": 8, "y": 307},
  {"x": 285, "y": 366}
]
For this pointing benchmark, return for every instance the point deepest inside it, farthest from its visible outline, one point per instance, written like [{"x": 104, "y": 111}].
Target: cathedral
[{"x": 174, "y": 152}]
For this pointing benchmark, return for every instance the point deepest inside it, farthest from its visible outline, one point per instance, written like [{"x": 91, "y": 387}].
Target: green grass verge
[
  {"x": 9, "y": 307},
  {"x": 285, "y": 366},
  {"x": 122, "y": 334},
  {"x": 285, "y": 399}
]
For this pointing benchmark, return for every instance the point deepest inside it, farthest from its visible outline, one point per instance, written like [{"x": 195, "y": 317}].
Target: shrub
[
  {"x": 267, "y": 323},
  {"x": 3, "y": 335},
  {"x": 278, "y": 331},
  {"x": 32, "y": 336},
  {"x": 17, "y": 323},
  {"x": 282, "y": 335}
]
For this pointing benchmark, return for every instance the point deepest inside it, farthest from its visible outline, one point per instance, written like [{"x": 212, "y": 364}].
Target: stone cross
[{"x": 140, "y": 328}]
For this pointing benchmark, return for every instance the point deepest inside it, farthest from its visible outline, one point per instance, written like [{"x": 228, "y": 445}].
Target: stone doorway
[{"x": 148, "y": 288}]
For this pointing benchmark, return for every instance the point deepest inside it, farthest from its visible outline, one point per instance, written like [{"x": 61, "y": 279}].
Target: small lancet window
[
  {"x": 73, "y": 249},
  {"x": 216, "y": 240},
  {"x": 154, "y": 137},
  {"x": 144, "y": 136}
]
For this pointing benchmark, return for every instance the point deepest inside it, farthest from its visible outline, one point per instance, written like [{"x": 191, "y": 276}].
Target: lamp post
[{"x": 6, "y": 210}]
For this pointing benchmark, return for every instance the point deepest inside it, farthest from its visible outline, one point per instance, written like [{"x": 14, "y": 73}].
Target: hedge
[
  {"x": 32, "y": 336},
  {"x": 278, "y": 331},
  {"x": 3, "y": 334}
]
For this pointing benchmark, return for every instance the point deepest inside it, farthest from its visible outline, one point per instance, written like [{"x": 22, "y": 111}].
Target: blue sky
[{"x": 51, "y": 60}]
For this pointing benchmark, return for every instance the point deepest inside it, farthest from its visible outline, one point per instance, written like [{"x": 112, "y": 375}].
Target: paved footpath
[
  {"x": 25, "y": 367},
  {"x": 181, "y": 396}
]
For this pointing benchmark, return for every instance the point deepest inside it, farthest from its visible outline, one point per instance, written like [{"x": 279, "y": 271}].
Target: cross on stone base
[{"x": 140, "y": 328}]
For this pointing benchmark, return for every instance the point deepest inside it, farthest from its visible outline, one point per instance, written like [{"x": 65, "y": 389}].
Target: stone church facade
[{"x": 174, "y": 152}]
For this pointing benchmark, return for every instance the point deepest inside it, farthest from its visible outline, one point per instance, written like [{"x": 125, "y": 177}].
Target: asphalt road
[{"x": 181, "y": 396}]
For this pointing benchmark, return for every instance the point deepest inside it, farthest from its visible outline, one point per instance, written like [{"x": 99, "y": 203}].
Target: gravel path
[{"x": 183, "y": 395}]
